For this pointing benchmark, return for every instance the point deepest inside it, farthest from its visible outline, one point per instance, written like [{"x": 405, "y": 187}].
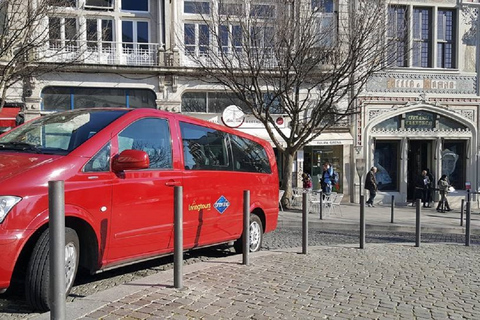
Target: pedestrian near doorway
[
  {"x": 426, "y": 189},
  {"x": 431, "y": 188},
  {"x": 371, "y": 186},
  {"x": 443, "y": 186}
]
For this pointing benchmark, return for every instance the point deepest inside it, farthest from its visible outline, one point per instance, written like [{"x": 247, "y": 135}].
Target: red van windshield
[{"x": 59, "y": 133}]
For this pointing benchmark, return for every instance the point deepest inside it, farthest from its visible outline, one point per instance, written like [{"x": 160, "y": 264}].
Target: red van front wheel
[
  {"x": 38, "y": 272},
  {"x": 256, "y": 235}
]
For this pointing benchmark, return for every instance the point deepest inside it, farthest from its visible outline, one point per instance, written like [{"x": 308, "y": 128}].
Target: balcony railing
[
  {"x": 149, "y": 54},
  {"x": 103, "y": 53}
]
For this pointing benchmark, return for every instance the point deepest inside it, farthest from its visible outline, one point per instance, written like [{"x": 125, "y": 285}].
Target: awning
[
  {"x": 7, "y": 117},
  {"x": 332, "y": 138}
]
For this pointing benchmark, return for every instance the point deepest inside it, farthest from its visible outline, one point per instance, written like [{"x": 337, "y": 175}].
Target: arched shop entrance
[{"x": 405, "y": 141}]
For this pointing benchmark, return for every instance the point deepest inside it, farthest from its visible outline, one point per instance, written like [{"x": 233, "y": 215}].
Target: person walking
[
  {"x": 326, "y": 182},
  {"x": 371, "y": 186},
  {"x": 431, "y": 188},
  {"x": 443, "y": 186},
  {"x": 426, "y": 188}
]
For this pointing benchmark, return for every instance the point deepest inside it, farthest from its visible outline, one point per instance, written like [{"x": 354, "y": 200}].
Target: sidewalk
[
  {"x": 434, "y": 281},
  {"x": 380, "y": 217}
]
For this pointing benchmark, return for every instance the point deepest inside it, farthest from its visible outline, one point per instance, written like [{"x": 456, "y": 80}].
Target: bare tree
[
  {"x": 30, "y": 35},
  {"x": 287, "y": 57}
]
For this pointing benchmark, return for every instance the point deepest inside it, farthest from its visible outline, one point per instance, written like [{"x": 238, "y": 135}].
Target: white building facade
[{"x": 423, "y": 113}]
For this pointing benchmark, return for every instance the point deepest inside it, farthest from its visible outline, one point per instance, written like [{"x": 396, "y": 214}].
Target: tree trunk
[{"x": 287, "y": 178}]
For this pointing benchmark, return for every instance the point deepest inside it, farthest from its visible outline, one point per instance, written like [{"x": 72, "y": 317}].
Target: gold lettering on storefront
[{"x": 431, "y": 84}]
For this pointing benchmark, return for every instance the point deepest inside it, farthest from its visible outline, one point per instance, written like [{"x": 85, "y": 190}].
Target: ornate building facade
[{"x": 424, "y": 112}]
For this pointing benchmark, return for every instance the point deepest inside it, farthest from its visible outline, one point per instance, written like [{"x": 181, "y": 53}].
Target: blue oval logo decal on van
[{"x": 221, "y": 204}]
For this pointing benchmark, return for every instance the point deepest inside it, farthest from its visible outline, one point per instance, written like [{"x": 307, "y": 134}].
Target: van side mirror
[{"x": 130, "y": 160}]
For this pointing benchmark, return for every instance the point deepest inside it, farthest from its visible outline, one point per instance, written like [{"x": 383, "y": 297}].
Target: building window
[
  {"x": 262, "y": 37},
  {"x": 230, "y": 9},
  {"x": 210, "y": 102},
  {"x": 135, "y": 5},
  {"x": 106, "y": 4},
  {"x": 445, "y": 39},
  {"x": 216, "y": 102},
  {"x": 387, "y": 162},
  {"x": 422, "y": 38},
  {"x": 230, "y": 38},
  {"x": 134, "y": 32},
  {"x": 66, "y": 3},
  {"x": 62, "y": 33},
  {"x": 322, "y": 6},
  {"x": 453, "y": 162},
  {"x": 397, "y": 36},
  {"x": 196, "y": 38},
  {"x": 66, "y": 98},
  {"x": 196, "y": 7},
  {"x": 194, "y": 102},
  {"x": 422, "y": 44},
  {"x": 99, "y": 31},
  {"x": 265, "y": 11},
  {"x": 391, "y": 124}
]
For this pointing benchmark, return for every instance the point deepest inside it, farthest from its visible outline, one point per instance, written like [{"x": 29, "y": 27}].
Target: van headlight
[{"x": 6, "y": 204}]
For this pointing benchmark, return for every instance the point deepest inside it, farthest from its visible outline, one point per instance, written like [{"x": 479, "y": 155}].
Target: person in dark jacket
[
  {"x": 431, "y": 188},
  {"x": 426, "y": 185},
  {"x": 371, "y": 186},
  {"x": 326, "y": 181}
]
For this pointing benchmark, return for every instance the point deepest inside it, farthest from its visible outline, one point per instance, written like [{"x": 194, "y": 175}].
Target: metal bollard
[
  {"x": 461, "y": 212},
  {"x": 56, "y": 201},
  {"x": 321, "y": 204},
  {"x": 467, "y": 222},
  {"x": 392, "y": 209},
  {"x": 418, "y": 225},
  {"x": 305, "y": 223},
  {"x": 362, "y": 222},
  {"x": 178, "y": 236},
  {"x": 246, "y": 227}
]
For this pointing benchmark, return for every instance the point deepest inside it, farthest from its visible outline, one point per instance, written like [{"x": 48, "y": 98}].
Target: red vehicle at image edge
[{"x": 119, "y": 167}]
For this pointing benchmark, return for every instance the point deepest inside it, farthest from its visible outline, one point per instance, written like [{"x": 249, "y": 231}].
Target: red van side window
[{"x": 151, "y": 135}]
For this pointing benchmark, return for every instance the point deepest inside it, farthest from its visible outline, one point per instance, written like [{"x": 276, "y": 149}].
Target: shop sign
[
  {"x": 326, "y": 142},
  {"x": 233, "y": 116},
  {"x": 419, "y": 120}
]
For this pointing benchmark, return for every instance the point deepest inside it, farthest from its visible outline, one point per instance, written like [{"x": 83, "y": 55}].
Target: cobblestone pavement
[
  {"x": 286, "y": 236},
  {"x": 380, "y": 282}
]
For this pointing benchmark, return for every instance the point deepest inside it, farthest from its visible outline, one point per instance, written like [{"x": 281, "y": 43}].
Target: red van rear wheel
[
  {"x": 256, "y": 236},
  {"x": 38, "y": 272}
]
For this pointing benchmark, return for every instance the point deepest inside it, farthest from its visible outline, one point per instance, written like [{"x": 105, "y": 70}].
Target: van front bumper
[{"x": 11, "y": 243}]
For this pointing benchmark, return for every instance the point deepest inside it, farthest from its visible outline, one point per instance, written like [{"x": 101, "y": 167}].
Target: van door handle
[{"x": 172, "y": 183}]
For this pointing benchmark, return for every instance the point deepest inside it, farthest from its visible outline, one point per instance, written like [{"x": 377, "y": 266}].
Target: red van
[{"x": 119, "y": 167}]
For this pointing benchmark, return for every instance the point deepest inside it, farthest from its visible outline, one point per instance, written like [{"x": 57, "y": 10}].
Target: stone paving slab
[{"x": 387, "y": 281}]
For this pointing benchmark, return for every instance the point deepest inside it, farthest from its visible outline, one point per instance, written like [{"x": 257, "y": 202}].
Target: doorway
[{"x": 420, "y": 157}]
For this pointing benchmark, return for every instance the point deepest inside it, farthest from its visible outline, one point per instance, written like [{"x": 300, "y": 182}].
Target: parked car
[{"x": 119, "y": 167}]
